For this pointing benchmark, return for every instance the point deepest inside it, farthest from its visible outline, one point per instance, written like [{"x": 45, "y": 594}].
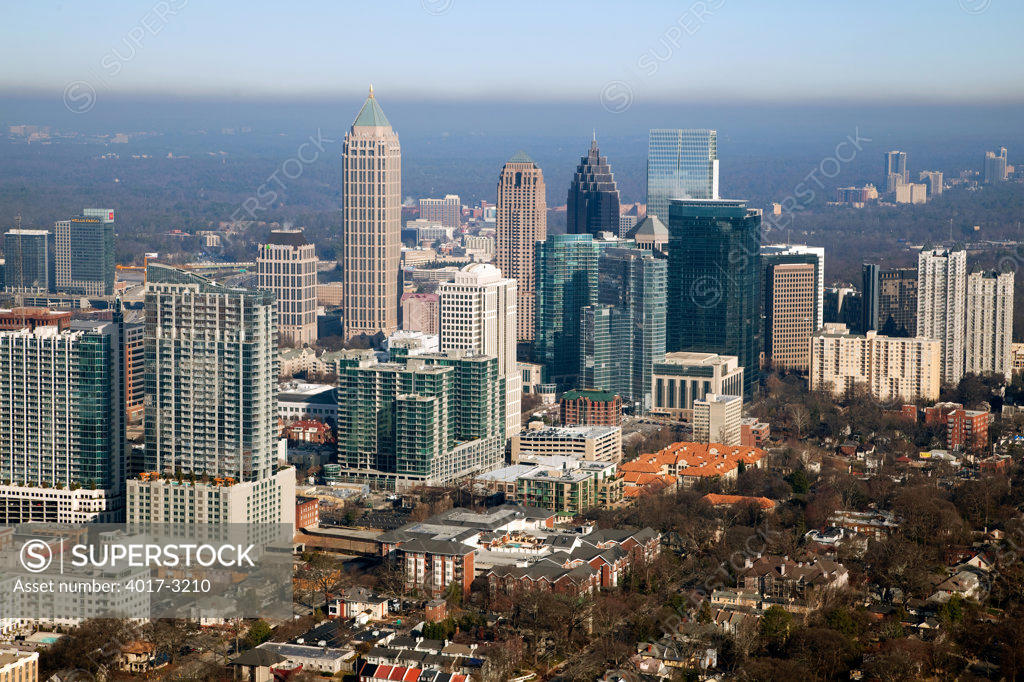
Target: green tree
[
  {"x": 258, "y": 633},
  {"x": 776, "y": 625}
]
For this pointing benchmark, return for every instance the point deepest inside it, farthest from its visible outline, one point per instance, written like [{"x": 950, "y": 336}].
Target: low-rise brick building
[{"x": 590, "y": 407}]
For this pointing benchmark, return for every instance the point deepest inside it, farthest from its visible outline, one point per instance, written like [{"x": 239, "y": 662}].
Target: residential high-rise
[
  {"x": 421, "y": 313},
  {"x": 989, "y": 326},
  {"x": 934, "y": 181},
  {"x": 447, "y": 211},
  {"x": 135, "y": 370},
  {"x": 421, "y": 420},
  {"x": 681, "y": 164},
  {"x": 627, "y": 327},
  {"x": 889, "y": 368},
  {"x": 62, "y": 423},
  {"x": 522, "y": 221},
  {"x": 717, "y": 419},
  {"x": 896, "y": 172},
  {"x": 789, "y": 304},
  {"x": 566, "y": 281},
  {"x": 27, "y": 256},
  {"x": 286, "y": 265},
  {"x": 372, "y": 223},
  {"x": 592, "y": 205},
  {"x": 800, "y": 253},
  {"x": 478, "y": 315},
  {"x": 995, "y": 166},
  {"x": 889, "y": 302},
  {"x": 211, "y": 405},
  {"x": 84, "y": 253},
  {"x": 941, "y": 314},
  {"x": 714, "y": 281}
]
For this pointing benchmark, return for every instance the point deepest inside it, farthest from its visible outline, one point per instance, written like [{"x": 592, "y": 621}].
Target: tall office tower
[
  {"x": 717, "y": 419},
  {"x": 478, "y": 315},
  {"x": 714, "y": 281},
  {"x": 84, "y": 253},
  {"x": 211, "y": 405},
  {"x": 889, "y": 301},
  {"x": 62, "y": 423},
  {"x": 890, "y": 369},
  {"x": 447, "y": 211},
  {"x": 629, "y": 321},
  {"x": 995, "y": 166},
  {"x": 422, "y": 313},
  {"x": 592, "y": 204},
  {"x": 989, "y": 323},
  {"x": 941, "y": 294},
  {"x": 800, "y": 253},
  {"x": 422, "y": 420},
  {"x": 135, "y": 370},
  {"x": 372, "y": 213},
  {"x": 934, "y": 181},
  {"x": 790, "y": 315},
  {"x": 522, "y": 221},
  {"x": 896, "y": 172},
  {"x": 681, "y": 164},
  {"x": 286, "y": 265},
  {"x": 27, "y": 256},
  {"x": 566, "y": 282}
]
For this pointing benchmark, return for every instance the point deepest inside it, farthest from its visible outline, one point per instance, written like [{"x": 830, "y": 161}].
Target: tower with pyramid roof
[{"x": 592, "y": 205}]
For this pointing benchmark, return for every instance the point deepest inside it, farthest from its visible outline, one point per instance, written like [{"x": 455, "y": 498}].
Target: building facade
[
  {"x": 522, "y": 221},
  {"x": 801, "y": 253},
  {"x": 714, "y": 281},
  {"x": 421, "y": 313},
  {"x": 479, "y": 315},
  {"x": 790, "y": 313},
  {"x": 590, "y": 407},
  {"x": 27, "y": 260},
  {"x": 286, "y": 265},
  {"x": 593, "y": 443},
  {"x": 717, "y": 418},
  {"x": 62, "y": 423},
  {"x": 592, "y": 205},
  {"x": 84, "y": 253},
  {"x": 989, "y": 325},
  {"x": 447, "y": 211},
  {"x": 889, "y": 300},
  {"x": 941, "y": 300},
  {"x": 995, "y": 166},
  {"x": 889, "y": 368},
  {"x": 681, "y": 164},
  {"x": 372, "y": 223},
  {"x": 683, "y": 377}
]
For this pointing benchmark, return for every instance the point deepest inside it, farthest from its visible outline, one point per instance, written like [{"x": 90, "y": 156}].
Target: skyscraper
[
  {"x": 714, "y": 274},
  {"x": 592, "y": 204},
  {"x": 941, "y": 297},
  {"x": 27, "y": 256},
  {"x": 790, "y": 317},
  {"x": 989, "y": 327},
  {"x": 889, "y": 303},
  {"x": 286, "y": 265},
  {"x": 84, "y": 253},
  {"x": 62, "y": 423},
  {"x": 521, "y": 222},
  {"x": 934, "y": 181},
  {"x": 995, "y": 166},
  {"x": 896, "y": 172},
  {"x": 681, "y": 164},
  {"x": 211, "y": 405},
  {"x": 566, "y": 282},
  {"x": 800, "y": 253},
  {"x": 447, "y": 211},
  {"x": 372, "y": 223},
  {"x": 631, "y": 288},
  {"x": 478, "y": 315}
]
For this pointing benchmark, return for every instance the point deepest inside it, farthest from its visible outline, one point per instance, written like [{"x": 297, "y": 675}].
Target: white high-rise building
[
  {"x": 941, "y": 299},
  {"x": 286, "y": 265},
  {"x": 717, "y": 419},
  {"x": 989, "y": 323},
  {"x": 371, "y": 205},
  {"x": 890, "y": 368},
  {"x": 478, "y": 313}
]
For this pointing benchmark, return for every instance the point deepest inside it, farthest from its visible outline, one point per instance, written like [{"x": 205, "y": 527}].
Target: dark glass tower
[
  {"x": 714, "y": 281},
  {"x": 593, "y": 201}
]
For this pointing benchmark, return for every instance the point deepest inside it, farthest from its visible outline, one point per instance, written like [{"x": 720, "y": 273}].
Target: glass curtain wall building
[{"x": 681, "y": 164}]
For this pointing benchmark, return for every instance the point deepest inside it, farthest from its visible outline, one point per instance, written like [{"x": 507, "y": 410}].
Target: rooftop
[{"x": 371, "y": 115}]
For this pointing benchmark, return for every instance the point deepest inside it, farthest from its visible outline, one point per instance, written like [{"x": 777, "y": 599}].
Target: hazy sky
[{"x": 959, "y": 50}]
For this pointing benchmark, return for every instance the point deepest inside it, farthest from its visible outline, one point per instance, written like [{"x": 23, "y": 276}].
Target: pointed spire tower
[
  {"x": 371, "y": 223},
  {"x": 592, "y": 204}
]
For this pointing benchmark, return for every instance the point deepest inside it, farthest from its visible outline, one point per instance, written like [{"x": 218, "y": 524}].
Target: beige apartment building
[
  {"x": 372, "y": 223},
  {"x": 889, "y": 368},
  {"x": 790, "y": 302},
  {"x": 521, "y": 222},
  {"x": 286, "y": 265}
]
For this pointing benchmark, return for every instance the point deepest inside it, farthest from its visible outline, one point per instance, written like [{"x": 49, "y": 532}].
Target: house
[
  {"x": 359, "y": 603},
  {"x": 387, "y": 673},
  {"x": 256, "y": 665},
  {"x": 964, "y": 584},
  {"x": 139, "y": 658},
  {"x": 783, "y": 580},
  {"x": 687, "y": 463}
]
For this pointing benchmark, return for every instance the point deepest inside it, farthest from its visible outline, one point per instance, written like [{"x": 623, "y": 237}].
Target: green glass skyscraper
[{"x": 714, "y": 275}]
